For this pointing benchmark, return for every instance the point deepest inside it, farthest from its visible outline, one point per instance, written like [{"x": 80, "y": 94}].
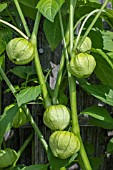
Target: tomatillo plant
[{"x": 81, "y": 58}]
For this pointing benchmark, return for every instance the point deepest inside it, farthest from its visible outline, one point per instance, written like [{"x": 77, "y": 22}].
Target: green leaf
[
  {"x": 32, "y": 167},
  {"x": 23, "y": 71},
  {"x": 110, "y": 146},
  {"x": 96, "y": 162},
  {"x": 103, "y": 70},
  {"x": 5, "y": 37},
  {"x": 107, "y": 40},
  {"x": 101, "y": 92},
  {"x": 53, "y": 32},
  {"x": 101, "y": 117},
  {"x": 96, "y": 39},
  {"x": 28, "y": 94},
  {"x": 29, "y": 3},
  {"x": 57, "y": 163},
  {"x": 3, "y": 6},
  {"x": 2, "y": 63},
  {"x": 108, "y": 16},
  {"x": 49, "y": 8},
  {"x": 28, "y": 11},
  {"x": 6, "y": 120}
]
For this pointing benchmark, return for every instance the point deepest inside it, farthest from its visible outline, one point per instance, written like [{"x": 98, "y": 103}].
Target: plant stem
[
  {"x": 47, "y": 101},
  {"x": 72, "y": 89},
  {"x": 81, "y": 28},
  {"x": 59, "y": 78},
  {"x": 14, "y": 28},
  {"x": 23, "y": 148},
  {"x": 34, "y": 125},
  {"x": 7, "y": 81},
  {"x": 22, "y": 17},
  {"x": 26, "y": 110},
  {"x": 93, "y": 22}
]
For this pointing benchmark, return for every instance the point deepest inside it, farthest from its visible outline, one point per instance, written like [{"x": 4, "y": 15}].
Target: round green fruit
[
  {"x": 86, "y": 45},
  {"x": 7, "y": 157},
  {"x": 20, "y": 117},
  {"x": 20, "y": 51},
  {"x": 82, "y": 65},
  {"x": 64, "y": 144},
  {"x": 56, "y": 117}
]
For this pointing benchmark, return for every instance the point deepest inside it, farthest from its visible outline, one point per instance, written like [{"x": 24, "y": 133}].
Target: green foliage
[
  {"x": 32, "y": 167},
  {"x": 6, "y": 121},
  {"x": 28, "y": 94},
  {"x": 3, "y": 6},
  {"x": 34, "y": 84},
  {"x": 54, "y": 37},
  {"x": 57, "y": 163},
  {"x": 50, "y": 8},
  {"x": 23, "y": 71},
  {"x": 100, "y": 117},
  {"x": 110, "y": 146}
]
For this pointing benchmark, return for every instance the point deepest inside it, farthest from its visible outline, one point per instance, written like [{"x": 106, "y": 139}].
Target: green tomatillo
[
  {"x": 64, "y": 144},
  {"x": 7, "y": 157},
  {"x": 20, "y": 51},
  {"x": 82, "y": 65},
  {"x": 56, "y": 117}
]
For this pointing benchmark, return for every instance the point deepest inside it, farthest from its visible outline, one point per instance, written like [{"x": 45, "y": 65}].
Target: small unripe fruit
[
  {"x": 82, "y": 65},
  {"x": 56, "y": 117},
  {"x": 86, "y": 45},
  {"x": 20, "y": 117},
  {"x": 20, "y": 51},
  {"x": 7, "y": 157},
  {"x": 64, "y": 144}
]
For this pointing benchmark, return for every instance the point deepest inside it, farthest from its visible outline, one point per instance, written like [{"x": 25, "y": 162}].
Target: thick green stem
[
  {"x": 93, "y": 22},
  {"x": 22, "y": 18},
  {"x": 26, "y": 110},
  {"x": 23, "y": 148},
  {"x": 73, "y": 100},
  {"x": 47, "y": 101}
]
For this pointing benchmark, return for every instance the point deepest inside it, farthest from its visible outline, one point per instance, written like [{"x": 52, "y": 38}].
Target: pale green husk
[
  {"x": 7, "y": 157},
  {"x": 86, "y": 45},
  {"x": 64, "y": 144},
  {"x": 82, "y": 65},
  {"x": 20, "y": 51},
  {"x": 56, "y": 117},
  {"x": 20, "y": 117}
]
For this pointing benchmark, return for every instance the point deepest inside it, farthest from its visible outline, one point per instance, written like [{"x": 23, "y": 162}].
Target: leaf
[
  {"x": 28, "y": 11},
  {"x": 110, "y": 146},
  {"x": 32, "y": 167},
  {"x": 23, "y": 71},
  {"x": 101, "y": 117},
  {"x": 103, "y": 70},
  {"x": 102, "y": 92},
  {"x": 96, "y": 39},
  {"x": 2, "y": 63},
  {"x": 6, "y": 120},
  {"x": 53, "y": 32},
  {"x": 3, "y": 6},
  {"x": 57, "y": 163},
  {"x": 96, "y": 162},
  {"x": 5, "y": 37},
  {"x": 28, "y": 94},
  {"x": 49, "y": 8},
  {"x": 107, "y": 40},
  {"x": 29, "y": 3}
]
